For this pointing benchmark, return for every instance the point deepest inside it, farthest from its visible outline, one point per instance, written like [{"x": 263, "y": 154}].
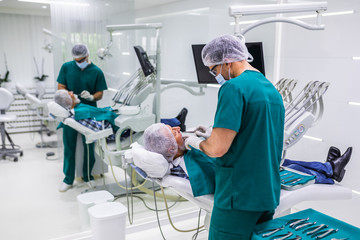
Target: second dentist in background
[{"x": 86, "y": 80}]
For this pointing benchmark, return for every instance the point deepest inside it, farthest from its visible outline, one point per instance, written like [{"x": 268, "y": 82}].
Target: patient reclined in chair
[{"x": 202, "y": 183}]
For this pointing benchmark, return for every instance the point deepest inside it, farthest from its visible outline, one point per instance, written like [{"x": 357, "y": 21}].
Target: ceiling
[{"x": 14, "y": 6}]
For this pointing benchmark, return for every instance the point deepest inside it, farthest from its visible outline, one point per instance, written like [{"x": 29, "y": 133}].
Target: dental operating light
[
  {"x": 239, "y": 11},
  {"x": 276, "y": 8}
]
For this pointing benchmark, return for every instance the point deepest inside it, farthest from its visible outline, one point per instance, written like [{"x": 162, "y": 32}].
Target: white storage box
[
  {"x": 108, "y": 221},
  {"x": 87, "y": 200}
]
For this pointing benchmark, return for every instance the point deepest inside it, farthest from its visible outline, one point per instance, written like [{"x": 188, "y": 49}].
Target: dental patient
[
  {"x": 169, "y": 142},
  {"x": 89, "y": 116},
  {"x": 193, "y": 165}
]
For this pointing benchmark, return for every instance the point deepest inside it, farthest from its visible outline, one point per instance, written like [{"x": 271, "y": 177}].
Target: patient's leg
[{"x": 322, "y": 171}]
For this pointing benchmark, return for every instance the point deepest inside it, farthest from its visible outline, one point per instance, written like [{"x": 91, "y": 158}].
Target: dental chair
[
  {"x": 182, "y": 186},
  {"x": 7, "y": 150},
  {"x": 41, "y": 109},
  {"x": 61, "y": 114}
]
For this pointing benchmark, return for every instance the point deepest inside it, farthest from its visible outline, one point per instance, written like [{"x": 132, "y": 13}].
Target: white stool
[
  {"x": 108, "y": 221},
  {"x": 87, "y": 200}
]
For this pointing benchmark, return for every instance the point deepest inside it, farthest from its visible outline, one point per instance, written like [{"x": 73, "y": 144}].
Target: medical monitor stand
[{"x": 202, "y": 72}]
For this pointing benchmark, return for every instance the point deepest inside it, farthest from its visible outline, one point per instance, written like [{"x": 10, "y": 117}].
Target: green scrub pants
[
  {"x": 69, "y": 140},
  {"x": 235, "y": 224}
]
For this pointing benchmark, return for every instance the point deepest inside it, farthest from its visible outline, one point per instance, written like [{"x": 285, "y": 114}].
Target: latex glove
[
  {"x": 202, "y": 131},
  {"x": 86, "y": 95},
  {"x": 192, "y": 141}
]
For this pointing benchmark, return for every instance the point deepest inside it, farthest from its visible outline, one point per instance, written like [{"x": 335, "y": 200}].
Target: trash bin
[
  {"x": 87, "y": 200},
  {"x": 108, "y": 221}
]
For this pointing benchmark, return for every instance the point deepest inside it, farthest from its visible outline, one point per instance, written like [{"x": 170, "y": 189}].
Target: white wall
[
  {"x": 22, "y": 39},
  {"x": 327, "y": 56},
  {"x": 195, "y": 22}
]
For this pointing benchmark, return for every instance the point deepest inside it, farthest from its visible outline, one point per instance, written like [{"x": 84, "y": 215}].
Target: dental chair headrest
[
  {"x": 153, "y": 164},
  {"x": 6, "y": 98},
  {"x": 57, "y": 110},
  {"x": 21, "y": 89}
]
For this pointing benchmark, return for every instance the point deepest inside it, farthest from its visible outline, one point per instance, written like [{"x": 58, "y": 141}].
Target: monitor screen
[{"x": 202, "y": 72}]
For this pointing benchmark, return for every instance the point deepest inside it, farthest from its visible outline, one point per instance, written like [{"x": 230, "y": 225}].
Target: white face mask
[
  {"x": 82, "y": 65},
  {"x": 76, "y": 100},
  {"x": 219, "y": 78}
]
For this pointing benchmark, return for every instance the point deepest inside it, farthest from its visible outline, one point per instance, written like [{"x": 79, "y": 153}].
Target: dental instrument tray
[
  {"x": 291, "y": 179},
  {"x": 305, "y": 225}
]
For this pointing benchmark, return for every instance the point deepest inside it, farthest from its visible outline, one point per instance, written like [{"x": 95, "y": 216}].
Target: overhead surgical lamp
[{"x": 239, "y": 11}]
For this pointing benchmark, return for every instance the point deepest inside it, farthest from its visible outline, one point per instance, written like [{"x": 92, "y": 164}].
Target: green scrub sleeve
[
  {"x": 229, "y": 108},
  {"x": 101, "y": 82},
  {"x": 61, "y": 77}
]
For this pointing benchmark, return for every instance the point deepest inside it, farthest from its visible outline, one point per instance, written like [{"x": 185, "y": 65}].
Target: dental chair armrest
[{"x": 98, "y": 135}]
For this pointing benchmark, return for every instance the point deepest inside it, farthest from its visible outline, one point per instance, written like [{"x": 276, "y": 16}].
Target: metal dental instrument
[
  {"x": 293, "y": 225},
  {"x": 284, "y": 174},
  {"x": 271, "y": 231},
  {"x": 323, "y": 234},
  {"x": 305, "y": 225},
  {"x": 315, "y": 229},
  {"x": 338, "y": 238},
  {"x": 282, "y": 236},
  {"x": 287, "y": 177},
  {"x": 326, "y": 234},
  {"x": 292, "y": 181},
  {"x": 292, "y": 220}
]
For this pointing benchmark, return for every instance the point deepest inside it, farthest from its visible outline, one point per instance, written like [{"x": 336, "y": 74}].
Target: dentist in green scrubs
[
  {"x": 86, "y": 81},
  {"x": 246, "y": 141}
]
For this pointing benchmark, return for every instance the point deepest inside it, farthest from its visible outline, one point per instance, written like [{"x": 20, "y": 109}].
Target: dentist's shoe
[
  {"x": 64, "y": 187},
  {"x": 92, "y": 184}
]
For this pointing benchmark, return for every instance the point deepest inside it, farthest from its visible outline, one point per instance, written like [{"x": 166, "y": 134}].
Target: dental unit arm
[{"x": 303, "y": 112}]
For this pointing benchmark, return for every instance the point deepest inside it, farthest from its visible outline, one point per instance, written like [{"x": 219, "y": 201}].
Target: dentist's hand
[
  {"x": 202, "y": 131},
  {"x": 192, "y": 141},
  {"x": 86, "y": 95}
]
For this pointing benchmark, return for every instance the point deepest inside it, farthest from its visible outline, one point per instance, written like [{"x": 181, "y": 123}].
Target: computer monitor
[
  {"x": 146, "y": 66},
  {"x": 202, "y": 72}
]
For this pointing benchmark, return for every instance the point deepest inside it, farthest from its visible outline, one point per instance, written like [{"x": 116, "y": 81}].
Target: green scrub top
[
  {"x": 91, "y": 79},
  {"x": 247, "y": 176}
]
